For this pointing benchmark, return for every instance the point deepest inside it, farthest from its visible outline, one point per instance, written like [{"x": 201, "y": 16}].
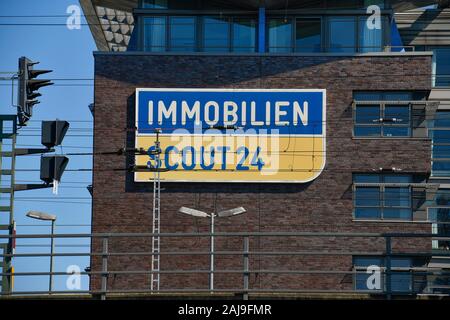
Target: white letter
[
  {"x": 216, "y": 113},
  {"x": 374, "y": 21},
  {"x": 228, "y": 112},
  {"x": 268, "y": 113},
  {"x": 244, "y": 113},
  {"x": 279, "y": 113},
  {"x": 190, "y": 113},
  {"x": 170, "y": 112},
  {"x": 150, "y": 112},
  {"x": 374, "y": 280},
  {"x": 303, "y": 114},
  {"x": 253, "y": 117},
  {"x": 73, "y": 282},
  {"x": 74, "y": 20}
]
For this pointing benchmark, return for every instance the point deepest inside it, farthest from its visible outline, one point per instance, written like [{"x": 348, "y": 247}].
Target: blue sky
[{"x": 69, "y": 54}]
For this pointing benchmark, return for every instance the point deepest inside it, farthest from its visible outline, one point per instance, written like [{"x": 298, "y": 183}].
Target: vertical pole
[
  {"x": 52, "y": 250},
  {"x": 104, "y": 268},
  {"x": 388, "y": 268},
  {"x": 211, "y": 274},
  {"x": 262, "y": 30},
  {"x": 246, "y": 267}
]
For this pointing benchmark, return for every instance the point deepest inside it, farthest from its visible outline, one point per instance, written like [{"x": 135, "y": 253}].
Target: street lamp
[
  {"x": 220, "y": 214},
  {"x": 46, "y": 217}
]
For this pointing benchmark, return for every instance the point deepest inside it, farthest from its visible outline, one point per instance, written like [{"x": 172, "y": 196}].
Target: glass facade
[
  {"x": 308, "y": 35},
  {"x": 280, "y": 35},
  {"x": 385, "y": 199},
  {"x": 441, "y": 67},
  {"x": 244, "y": 35},
  {"x": 342, "y": 31},
  {"x": 440, "y": 134},
  {"x": 216, "y": 34},
  {"x": 182, "y": 34}
]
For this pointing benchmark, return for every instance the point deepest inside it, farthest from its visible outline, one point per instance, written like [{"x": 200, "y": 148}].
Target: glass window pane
[
  {"x": 389, "y": 131},
  {"x": 367, "y": 213},
  {"x": 443, "y": 198},
  {"x": 401, "y": 114},
  {"x": 155, "y": 4},
  {"x": 308, "y": 35},
  {"x": 397, "y": 214},
  {"x": 370, "y": 37},
  {"x": 366, "y": 178},
  {"x": 440, "y": 152},
  {"x": 244, "y": 35},
  {"x": 442, "y": 119},
  {"x": 441, "y": 136},
  {"x": 367, "y": 96},
  {"x": 367, "y": 261},
  {"x": 401, "y": 282},
  {"x": 397, "y": 96},
  {"x": 216, "y": 34},
  {"x": 397, "y": 197},
  {"x": 155, "y": 34},
  {"x": 441, "y": 168},
  {"x": 442, "y": 67},
  {"x": 280, "y": 35},
  {"x": 397, "y": 178},
  {"x": 368, "y": 131},
  {"x": 182, "y": 33},
  {"x": 367, "y": 114},
  {"x": 367, "y": 196},
  {"x": 342, "y": 34}
]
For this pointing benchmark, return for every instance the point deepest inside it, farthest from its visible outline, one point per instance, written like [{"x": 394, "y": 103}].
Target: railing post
[
  {"x": 104, "y": 269},
  {"x": 246, "y": 266},
  {"x": 388, "y": 268}
]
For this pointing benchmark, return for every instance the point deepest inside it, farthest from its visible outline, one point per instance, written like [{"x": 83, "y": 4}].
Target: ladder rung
[
  {"x": 5, "y": 209},
  {"x": 5, "y": 172}
]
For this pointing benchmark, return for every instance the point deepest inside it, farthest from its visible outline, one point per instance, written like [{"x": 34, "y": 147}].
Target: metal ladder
[
  {"x": 156, "y": 217},
  {"x": 8, "y": 128}
]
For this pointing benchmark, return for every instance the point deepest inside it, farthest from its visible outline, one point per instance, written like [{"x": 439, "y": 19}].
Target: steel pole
[
  {"x": 52, "y": 248},
  {"x": 211, "y": 275}
]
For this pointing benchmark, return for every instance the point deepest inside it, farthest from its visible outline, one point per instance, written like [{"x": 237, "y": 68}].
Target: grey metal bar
[
  {"x": 388, "y": 267},
  {"x": 229, "y": 234},
  {"x": 246, "y": 267},
  {"x": 104, "y": 269}
]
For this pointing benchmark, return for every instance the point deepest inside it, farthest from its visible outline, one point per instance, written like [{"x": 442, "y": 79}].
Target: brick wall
[{"x": 325, "y": 204}]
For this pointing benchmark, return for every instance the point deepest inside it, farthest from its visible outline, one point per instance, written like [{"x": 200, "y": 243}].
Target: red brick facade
[{"x": 324, "y": 205}]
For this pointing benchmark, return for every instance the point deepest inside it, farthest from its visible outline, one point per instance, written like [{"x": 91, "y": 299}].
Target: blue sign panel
[{"x": 283, "y": 112}]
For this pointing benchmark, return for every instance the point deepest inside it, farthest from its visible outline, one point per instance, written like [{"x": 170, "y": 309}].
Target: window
[
  {"x": 280, "y": 35},
  {"x": 155, "y": 4},
  {"x": 342, "y": 31},
  {"x": 182, "y": 34},
  {"x": 382, "y": 114},
  {"x": 401, "y": 280},
  {"x": 155, "y": 34},
  {"x": 440, "y": 134},
  {"x": 216, "y": 34},
  {"x": 382, "y": 197},
  {"x": 308, "y": 35},
  {"x": 441, "y": 67},
  {"x": 244, "y": 35}
]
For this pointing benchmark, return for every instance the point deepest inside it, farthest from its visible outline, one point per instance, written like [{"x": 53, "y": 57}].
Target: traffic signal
[
  {"x": 52, "y": 168},
  {"x": 28, "y": 86},
  {"x": 53, "y": 132}
]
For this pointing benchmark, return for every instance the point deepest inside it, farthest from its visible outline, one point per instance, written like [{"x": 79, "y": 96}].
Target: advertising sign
[{"x": 232, "y": 135}]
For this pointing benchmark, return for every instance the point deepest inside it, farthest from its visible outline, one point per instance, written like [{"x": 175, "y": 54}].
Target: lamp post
[
  {"x": 47, "y": 217},
  {"x": 220, "y": 214}
]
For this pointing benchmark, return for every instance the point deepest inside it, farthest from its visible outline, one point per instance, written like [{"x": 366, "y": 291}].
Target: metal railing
[{"x": 420, "y": 279}]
